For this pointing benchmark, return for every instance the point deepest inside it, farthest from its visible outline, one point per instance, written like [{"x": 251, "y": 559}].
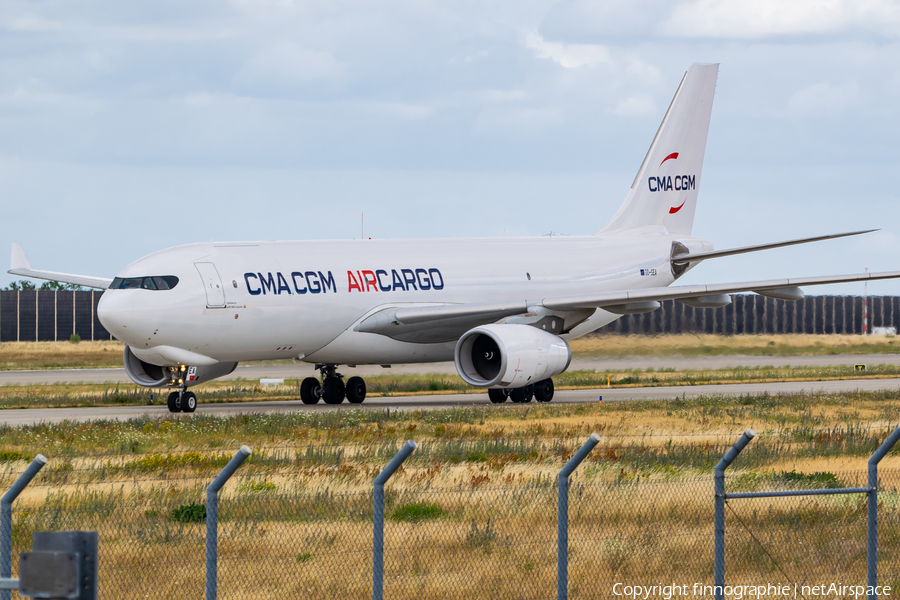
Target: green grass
[{"x": 415, "y": 512}]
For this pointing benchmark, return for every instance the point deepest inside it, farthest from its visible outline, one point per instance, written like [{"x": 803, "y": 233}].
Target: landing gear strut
[
  {"x": 182, "y": 401},
  {"x": 542, "y": 391},
  {"x": 332, "y": 389}
]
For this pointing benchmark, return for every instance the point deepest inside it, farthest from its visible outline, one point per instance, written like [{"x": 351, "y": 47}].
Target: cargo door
[{"x": 212, "y": 283}]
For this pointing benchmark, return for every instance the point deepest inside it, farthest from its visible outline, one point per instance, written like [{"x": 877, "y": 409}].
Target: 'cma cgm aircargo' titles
[{"x": 502, "y": 308}]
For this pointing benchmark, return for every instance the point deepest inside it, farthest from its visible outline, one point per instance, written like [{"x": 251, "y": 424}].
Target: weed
[
  {"x": 189, "y": 513},
  {"x": 481, "y": 538},
  {"x": 12, "y": 456},
  {"x": 256, "y": 486},
  {"x": 818, "y": 479},
  {"x": 416, "y": 512}
]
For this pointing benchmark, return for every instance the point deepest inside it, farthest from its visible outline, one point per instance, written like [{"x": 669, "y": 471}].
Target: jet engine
[
  {"x": 143, "y": 373},
  {"x": 510, "y": 356},
  {"x": 150, "y": 375}
]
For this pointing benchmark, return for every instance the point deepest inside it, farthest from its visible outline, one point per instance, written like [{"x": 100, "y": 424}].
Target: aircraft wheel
[
  {"x": 497, "y": 396},
  {"x": 189, "y": 402},
  {"x": 356, "y": 390},
  {"x": 517, "y": 395},
  {"x": 543, "y": 390},
  {"x": 333, "y": 390},
  {"x": 310, "y": 390},
  {"x": 174, "y": 402},
  {"x": 528, "y": 392}
]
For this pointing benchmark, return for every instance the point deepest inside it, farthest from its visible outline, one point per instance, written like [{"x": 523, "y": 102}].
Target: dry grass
[
  {"x": 296, "y": 519},
  {"x": 59, "y": 355}
]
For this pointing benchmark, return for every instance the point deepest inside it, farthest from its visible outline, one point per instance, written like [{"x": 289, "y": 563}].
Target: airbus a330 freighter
[{"x": 503, "y": 309}]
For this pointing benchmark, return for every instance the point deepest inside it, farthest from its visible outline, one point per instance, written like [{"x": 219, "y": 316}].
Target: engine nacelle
[
  {"x": 150, "y": 375},
  {"x": 510, "y": 356},
  {"x": 144, "y": 373}
]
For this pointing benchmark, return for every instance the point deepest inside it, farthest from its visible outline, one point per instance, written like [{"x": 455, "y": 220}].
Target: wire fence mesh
[{"x": 469, "y": 541}]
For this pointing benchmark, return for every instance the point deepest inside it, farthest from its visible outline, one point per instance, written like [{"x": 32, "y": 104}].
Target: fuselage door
[{"x": 212, "y": 283}]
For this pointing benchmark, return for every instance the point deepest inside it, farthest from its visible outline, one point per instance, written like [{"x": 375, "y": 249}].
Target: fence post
[
  {"x": 212, "y": 520},
  {"x": 872, "y": 525},
  {"x": 719, "y": 569},
  {"x": 6, "y": 518},
  {"x": 562, "y": 517},
  {"x": 378, "y": 518}
]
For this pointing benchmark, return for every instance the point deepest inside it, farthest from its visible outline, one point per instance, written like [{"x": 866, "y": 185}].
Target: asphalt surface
[
  {"x": 50, "y": 415},
  {"x": 251, "y": 371}
]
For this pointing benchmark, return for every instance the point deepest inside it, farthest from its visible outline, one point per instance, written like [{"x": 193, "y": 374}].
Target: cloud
[
  {"x": 823, "y": 99},
  {"x": 400, "y": 110},
  {"x": 752, "y": 19},
  {"x": 719, "y": 19},
  {"x": 285, "y": 63},
  {"x": 635, "y": 105},
  {"x": 569, "y": 56},
  {"x": 33, "y": 23},
  {"x": 34, "y": 101}
]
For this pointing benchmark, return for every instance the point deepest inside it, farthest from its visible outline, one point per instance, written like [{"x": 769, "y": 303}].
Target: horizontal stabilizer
[
  {"x": 682, "y": 259},
  {"x": 19, "y": 265}
]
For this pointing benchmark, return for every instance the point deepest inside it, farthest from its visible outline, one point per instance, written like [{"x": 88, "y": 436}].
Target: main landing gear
[
  {"x": 332, "y": 388},
  {"x": 542, "y": 391},
  {"x": 182, "y": 401}
]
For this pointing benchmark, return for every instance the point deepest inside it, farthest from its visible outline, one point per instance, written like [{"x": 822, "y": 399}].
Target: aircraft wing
[
  {"x": 444, "y": 322},
  {"x": 19, "y": 265},
  {"x": 680, "y": 292}
]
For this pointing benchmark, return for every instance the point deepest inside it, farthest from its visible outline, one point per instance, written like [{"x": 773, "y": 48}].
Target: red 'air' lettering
[{"x": 352, "y": 282}]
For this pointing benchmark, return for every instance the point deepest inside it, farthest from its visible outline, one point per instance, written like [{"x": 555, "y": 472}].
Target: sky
[{"x": 128, "y": 127}]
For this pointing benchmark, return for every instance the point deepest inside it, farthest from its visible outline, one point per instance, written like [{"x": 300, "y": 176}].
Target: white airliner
[{"x": 502, "y": 308}]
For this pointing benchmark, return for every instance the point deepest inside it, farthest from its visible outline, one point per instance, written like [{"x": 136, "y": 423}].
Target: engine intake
[
  {"x": 510, "y": 356},
  {"x": 143, "y": 373}
]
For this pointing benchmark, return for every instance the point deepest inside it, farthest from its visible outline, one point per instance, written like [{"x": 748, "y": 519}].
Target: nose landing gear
[
  {"x": 182, "y": 401},
  {"x": 332, "y": 389}
]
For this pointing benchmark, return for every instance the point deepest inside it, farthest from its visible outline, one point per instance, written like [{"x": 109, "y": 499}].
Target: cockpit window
[{"x": 165, "y": 282}]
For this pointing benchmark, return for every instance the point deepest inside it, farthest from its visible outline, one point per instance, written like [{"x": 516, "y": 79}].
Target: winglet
[{"x": 18, "y": 260}]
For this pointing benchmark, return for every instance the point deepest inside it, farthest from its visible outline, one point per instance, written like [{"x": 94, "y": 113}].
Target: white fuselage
[{"x": 322, "y": 289}]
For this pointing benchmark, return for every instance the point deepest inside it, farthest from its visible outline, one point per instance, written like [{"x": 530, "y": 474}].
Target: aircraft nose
[{"x": 115, "y": 311}]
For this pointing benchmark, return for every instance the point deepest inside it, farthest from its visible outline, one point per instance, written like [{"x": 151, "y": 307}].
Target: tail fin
[{"x": 664, "y": 191}]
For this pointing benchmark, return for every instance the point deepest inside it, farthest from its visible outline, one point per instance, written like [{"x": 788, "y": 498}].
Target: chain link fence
[{"x": 279, "y": 538}]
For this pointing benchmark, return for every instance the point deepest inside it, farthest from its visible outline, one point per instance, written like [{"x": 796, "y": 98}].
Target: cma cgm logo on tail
[
  {"x": 317, "y": 282},
  {"x": 668, "y": 183}
]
